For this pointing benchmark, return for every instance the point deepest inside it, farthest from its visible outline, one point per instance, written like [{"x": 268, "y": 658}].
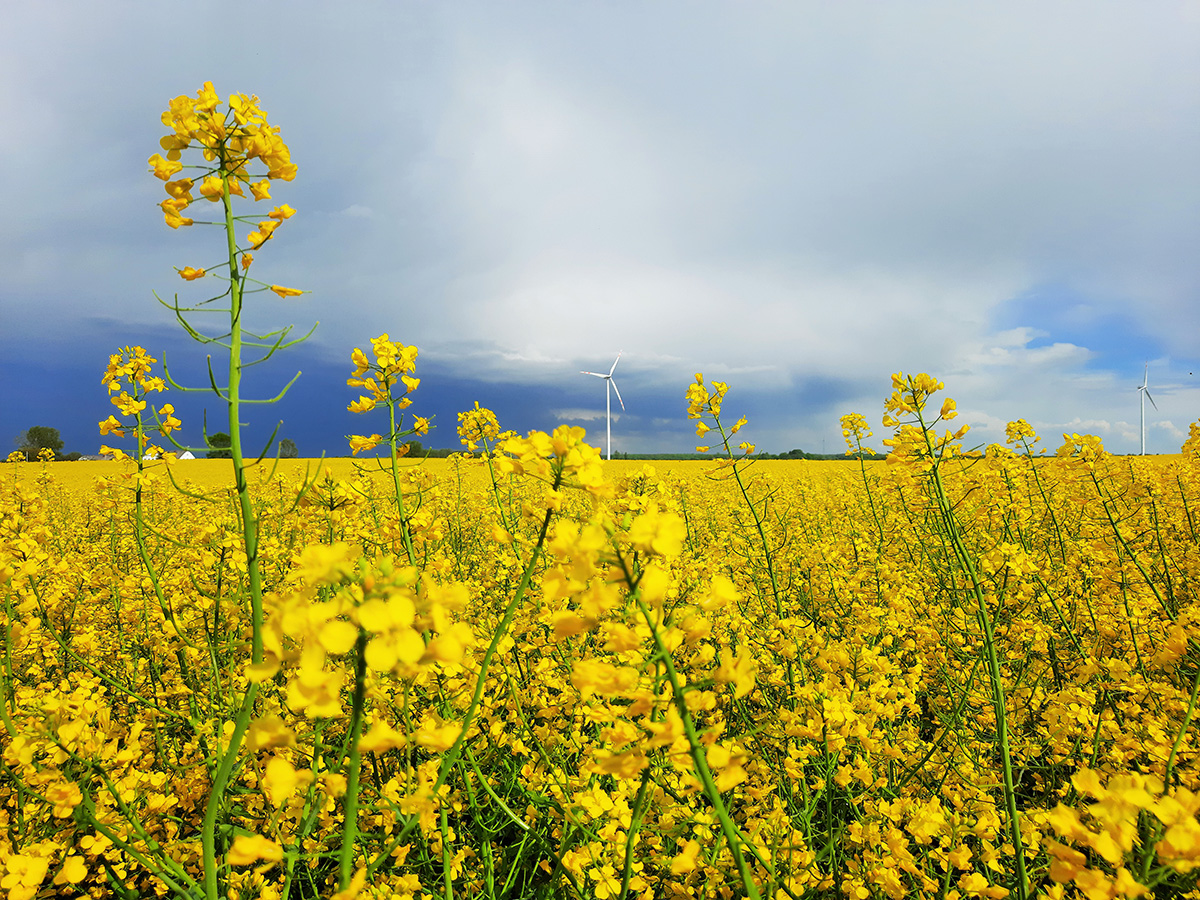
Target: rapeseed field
[
  {"x": 604, "y": 680},
  {"x": 524, "y": 672}
]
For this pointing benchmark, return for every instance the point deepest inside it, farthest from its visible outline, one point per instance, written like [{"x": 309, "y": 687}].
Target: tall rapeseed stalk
[{"x": 230, "y": 140}]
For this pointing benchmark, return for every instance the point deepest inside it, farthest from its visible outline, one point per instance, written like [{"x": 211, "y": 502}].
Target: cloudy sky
[{"x": 798, "y": 198}]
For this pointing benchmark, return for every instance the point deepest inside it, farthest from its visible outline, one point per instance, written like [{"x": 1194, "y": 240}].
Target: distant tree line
[
  {"x": 289, "y": 450},
  {"x": 43, "y": 437},
  {"x": 790, "y": 454},
  {"x": 802, "y": 454}
]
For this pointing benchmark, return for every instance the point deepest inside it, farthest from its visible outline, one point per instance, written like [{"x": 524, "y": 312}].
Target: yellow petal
[
  {"x": 259, "y": 672},
  {"x": 247, "y": 850},
  {"x": 381, "y": 654},
  {"x": 409, "y": 645},
  {"x": 338, "y": 636},
  {"x": 269, "y": 732},
  {"x": 381, "y": 737},
  {"x": 375, "y": 615}
]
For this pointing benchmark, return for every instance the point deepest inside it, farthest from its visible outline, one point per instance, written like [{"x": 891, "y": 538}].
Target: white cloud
[{"x": 1169, "y": 428}]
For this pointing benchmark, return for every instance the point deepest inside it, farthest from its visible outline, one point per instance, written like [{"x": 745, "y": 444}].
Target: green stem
[
  {"x": 408, "y": 546},
  {"x": 447, "y": 880},
  {"x": 635, "y": 825},
  {"x": 250, "y": 538},
  {"x": 1187, "y": 721},
  {"x": 350, "y": 802}
]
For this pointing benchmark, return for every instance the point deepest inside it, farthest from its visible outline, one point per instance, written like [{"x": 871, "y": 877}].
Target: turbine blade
[
  {"x": 615, "y": 361},
  {"x": 614, "y": 387},
  {"x": 1151, "y": 399},
  {"x": 597, "y": 374}
]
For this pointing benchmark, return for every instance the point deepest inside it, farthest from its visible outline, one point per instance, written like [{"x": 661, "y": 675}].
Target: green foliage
[
  {"x": 218, "y": 446},
  {"x": 288, "y": 449},
  {"x": 37, "y": 438},
  {"x": 804, "y": 454}
]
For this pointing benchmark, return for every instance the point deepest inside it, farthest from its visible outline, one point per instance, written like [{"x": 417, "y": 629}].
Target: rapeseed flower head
[
  {"x": 132, "y": 367},
  {"x": 382, "y": 377},
  {"x": 230, "y": 142},
  {"x": 854, "y": 431},
  {"x": 1020, "y": 432},
  {"x": 476, "y": 426}
]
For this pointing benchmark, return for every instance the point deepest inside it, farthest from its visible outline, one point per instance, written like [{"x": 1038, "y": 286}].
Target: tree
[
  {"x": 40, "y": 437},
  {"x": 218, "y": 446},
  {"x": 288, "y": 449}
]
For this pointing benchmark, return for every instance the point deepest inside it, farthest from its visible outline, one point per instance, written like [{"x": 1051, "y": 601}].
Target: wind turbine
[
  {"x": 609, "y": 383},
  {"x": 1144, "y": 390}
]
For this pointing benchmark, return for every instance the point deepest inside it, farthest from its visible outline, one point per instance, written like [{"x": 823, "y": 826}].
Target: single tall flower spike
[
  {"x": 382, "y": 379},
  {"x": 132, "y": 367}
]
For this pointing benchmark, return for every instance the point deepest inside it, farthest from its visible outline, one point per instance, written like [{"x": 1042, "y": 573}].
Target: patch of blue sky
[{"x": 1059, "y": 314}]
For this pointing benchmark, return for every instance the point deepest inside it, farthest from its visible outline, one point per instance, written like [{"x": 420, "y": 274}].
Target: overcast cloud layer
[{"x": 797, "y": 198}]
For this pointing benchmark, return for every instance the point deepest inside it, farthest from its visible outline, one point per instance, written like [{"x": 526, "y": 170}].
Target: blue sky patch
[{"x": 1062, "y": 315}]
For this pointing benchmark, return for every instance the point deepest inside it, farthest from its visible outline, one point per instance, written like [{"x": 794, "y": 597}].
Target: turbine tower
[
  {"x": 609, "y": 384},
  {"x": 1144, "y": 391}
]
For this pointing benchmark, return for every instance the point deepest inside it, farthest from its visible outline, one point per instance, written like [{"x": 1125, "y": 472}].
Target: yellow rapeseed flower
[{"x": 247, "y": 850}]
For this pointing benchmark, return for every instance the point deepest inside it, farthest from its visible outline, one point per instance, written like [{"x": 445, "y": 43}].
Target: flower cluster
[
  {"x": 392, "y": 367},
  {"x": 477, "y": 426},
  {"x": 404, "y": 625},
  {"x": 909, "y": 395},
  {"x": 703, "y": 403},
  {"x": 561, "y": 459},
  {"x": 1191, "y": 446},
  {"x": 230, "y": 141},
  {"x": 393, "y": 362},
  {"x": 1087, "y": 447},
  {"x": 854, "y": 431},
  {"x": 132, "y": 367},
  {"x": 915, "y": 442},
  {"x": 1020, "y": 432}
]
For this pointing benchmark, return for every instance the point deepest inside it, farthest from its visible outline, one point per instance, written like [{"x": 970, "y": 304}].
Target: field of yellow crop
[
  {"x": 211, "y": 474},
  {"x": 547, "y": 676}
]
